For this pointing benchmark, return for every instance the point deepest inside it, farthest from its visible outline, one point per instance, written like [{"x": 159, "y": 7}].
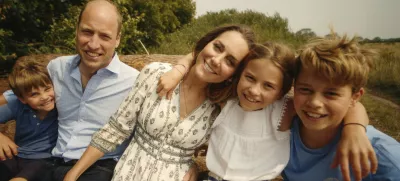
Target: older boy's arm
[
  {"x": 169, "y": 80},
  {"x": 354, "y": 146}
]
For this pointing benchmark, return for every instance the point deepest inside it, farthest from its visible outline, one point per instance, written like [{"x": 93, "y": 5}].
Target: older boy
[
  {"x": 32, "y": 107},
  {"x": 330, "y": 79}
]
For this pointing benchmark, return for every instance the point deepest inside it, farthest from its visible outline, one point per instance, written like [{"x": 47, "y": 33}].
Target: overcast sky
[{"x": 367, "y": 18}]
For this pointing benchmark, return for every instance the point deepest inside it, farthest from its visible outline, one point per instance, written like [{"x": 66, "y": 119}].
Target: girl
[
  {"x": 168, "y": 131},
  {"x": 243, "y": 146}
]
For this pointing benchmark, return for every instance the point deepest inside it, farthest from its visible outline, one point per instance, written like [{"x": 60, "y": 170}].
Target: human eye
[
  {"x": 268, "y": 86},
  {"x": 86, "y": 32},
  {"x": 249, "y": 78},
  {"x": 49, "y": 88},
  {"x": 304, "y": 90},
  {"x": 230, "y": 61},
  {"x": 33, "y": 94},
  {"x": 217, "y": 47},
  {"x": 105, "y": 37},
  {"x": 331, "y": 93}
]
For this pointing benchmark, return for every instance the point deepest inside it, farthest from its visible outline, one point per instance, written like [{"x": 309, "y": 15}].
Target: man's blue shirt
[
  {"x": 35, "y": 138},
  {"x": 314, "y": 164},
  {"x": 82, "y": 112}
]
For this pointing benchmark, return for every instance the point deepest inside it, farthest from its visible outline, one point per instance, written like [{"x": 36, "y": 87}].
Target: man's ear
[
  {"x": 357, "y": 96},
  {"x": 118, "y": 40}
]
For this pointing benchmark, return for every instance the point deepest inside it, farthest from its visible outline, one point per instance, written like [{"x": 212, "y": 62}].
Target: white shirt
[{"x": 247, "y": 145}]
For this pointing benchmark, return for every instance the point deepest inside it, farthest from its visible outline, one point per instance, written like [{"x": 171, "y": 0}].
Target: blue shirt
[
  {"x": 314, "y": 164},
  {"x": 35, "y": 138},
  {"x": 82, "y": 113}
]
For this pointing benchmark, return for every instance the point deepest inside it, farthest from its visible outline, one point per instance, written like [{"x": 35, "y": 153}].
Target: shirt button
[
  {"x": 34, "y": 116},
  {"x": 37, "y": 124}
]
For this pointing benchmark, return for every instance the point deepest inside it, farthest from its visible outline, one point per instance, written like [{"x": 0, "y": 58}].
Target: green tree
[
  {"x": 160, "y": 17},
  {"x": 306, "y": 33},
  {"x": 28, "y": 19},
  {"x": 267, "y": 28}
]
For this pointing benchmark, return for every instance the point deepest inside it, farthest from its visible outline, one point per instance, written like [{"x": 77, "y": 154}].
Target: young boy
[
  {"x": 31, "y": 104},
  {"x": 330, "y": 79}
]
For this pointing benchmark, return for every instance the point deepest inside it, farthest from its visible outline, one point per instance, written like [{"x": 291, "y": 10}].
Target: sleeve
[
  {"x": 51, "y": 68},
  {"x": 387, "y": 151},
  {"x": 121, "y": 124},
  {"x": 8, "y": 111}
]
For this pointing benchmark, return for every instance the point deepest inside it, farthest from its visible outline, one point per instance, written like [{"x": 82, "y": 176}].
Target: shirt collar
[
  {"x": 26, "y": 107},
  {"x": 113, "y": 67}
]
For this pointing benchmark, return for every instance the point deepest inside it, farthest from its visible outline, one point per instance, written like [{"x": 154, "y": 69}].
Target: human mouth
[
  {"x": 248, "y": 98},
  {"x": 208, "y": 68},
  {"x": 92, "y": 54},
  {"x": 314, "y": 115},
  {"x": 47, "y": 103}
]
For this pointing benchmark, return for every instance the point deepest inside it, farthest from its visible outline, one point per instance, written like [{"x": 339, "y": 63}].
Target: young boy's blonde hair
[
  {"x": 340, "y": 60},
  {"x": 28, "y": 74}
]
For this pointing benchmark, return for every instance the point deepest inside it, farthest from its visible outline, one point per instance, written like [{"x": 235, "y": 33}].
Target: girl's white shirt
[{"x": 247, "y": 145}]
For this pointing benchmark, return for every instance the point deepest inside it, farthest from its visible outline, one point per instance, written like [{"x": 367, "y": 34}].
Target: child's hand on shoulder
[
  {"x": 8, "y": 149},
  {"x": 355, "y": 149},
  {"x": 168, "y": 81}
]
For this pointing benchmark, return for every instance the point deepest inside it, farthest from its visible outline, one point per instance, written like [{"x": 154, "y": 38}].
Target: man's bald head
[{"x": 103, "y": 3}]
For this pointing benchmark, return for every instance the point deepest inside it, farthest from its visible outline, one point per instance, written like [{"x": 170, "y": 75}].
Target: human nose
[
  {"x": 94, "y": 42},
  {"x": 44, "y": 96},
  {"x": 216, "y": 60},
  {"x": 315, "y": 101},
  {"x": 255, "y": 90}
]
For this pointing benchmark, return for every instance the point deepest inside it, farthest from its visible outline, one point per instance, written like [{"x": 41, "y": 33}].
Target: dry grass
[{"x": 384, "y": 80}]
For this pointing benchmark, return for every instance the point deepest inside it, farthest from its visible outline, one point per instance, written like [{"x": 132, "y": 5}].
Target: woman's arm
[
  {"x": 89, "y": 157},
  {"x": 120, "y": 125},
  {"x": 169, "y": 80},
  {"x": 354, "y": 146}
]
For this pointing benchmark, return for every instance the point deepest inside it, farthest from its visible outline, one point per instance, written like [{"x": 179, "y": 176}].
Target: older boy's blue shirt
[
  {"x": 314, "y": 164},
  {"x": 83, "y": 112},
  {"x": 35, "y": 138}
]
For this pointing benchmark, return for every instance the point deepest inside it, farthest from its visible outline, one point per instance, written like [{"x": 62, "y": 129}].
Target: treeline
[
  {"x": 48, "y": 26},
  {"x": 379, "y": 40}
]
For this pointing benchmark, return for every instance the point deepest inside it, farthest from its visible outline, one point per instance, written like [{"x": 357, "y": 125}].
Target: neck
[
  {"x": 85, "y": 71},
  {"x": 315, "y": 139},
  {"x": 192, "y": 82},
  {"x": 42, "y": 114}
]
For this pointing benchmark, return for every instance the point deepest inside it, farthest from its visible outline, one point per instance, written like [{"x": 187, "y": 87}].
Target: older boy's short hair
[
  {"x": 28, "y": 74},
  {"x": 338, "y": 59}
]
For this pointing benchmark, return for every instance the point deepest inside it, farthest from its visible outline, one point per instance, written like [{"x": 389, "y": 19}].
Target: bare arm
[
  {"x": 3, "y": 100},
  {"x": 89, "y": 157},
  {"x": 169, "y": 80},
  {"x": 354, "y": 148},
  {"x": 8, "y": 148}
]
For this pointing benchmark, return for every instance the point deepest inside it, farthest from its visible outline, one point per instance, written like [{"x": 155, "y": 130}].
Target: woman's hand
[
  {"x": 356, "y": 149},
  {"x": 70, "y": 176}
]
